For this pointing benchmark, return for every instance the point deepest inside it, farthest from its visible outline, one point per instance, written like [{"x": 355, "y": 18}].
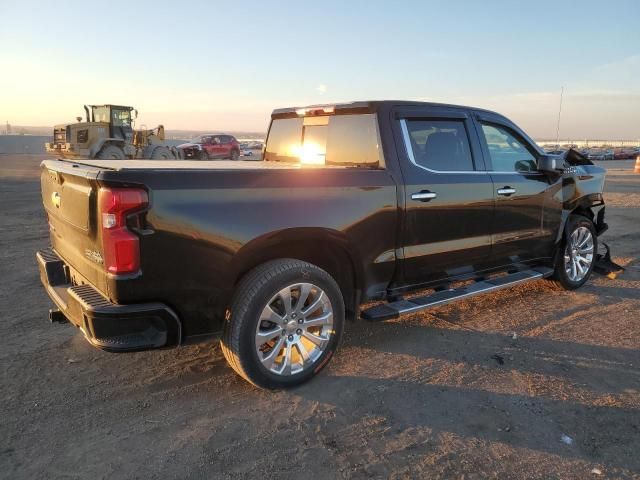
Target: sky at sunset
[{"x": 226, "y": 65}]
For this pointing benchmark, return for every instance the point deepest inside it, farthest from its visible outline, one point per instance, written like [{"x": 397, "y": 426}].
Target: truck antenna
[{"x": 559, "y": 112}]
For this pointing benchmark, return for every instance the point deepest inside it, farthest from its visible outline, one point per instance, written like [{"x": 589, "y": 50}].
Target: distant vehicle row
[{"x": 601, "y": 153}]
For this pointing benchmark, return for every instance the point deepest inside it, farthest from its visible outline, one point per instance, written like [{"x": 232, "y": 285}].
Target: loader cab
[{"x": 119, "y": 120}]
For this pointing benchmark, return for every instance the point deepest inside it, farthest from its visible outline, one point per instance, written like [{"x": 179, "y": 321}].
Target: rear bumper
[{"x": 107, "y": 325}]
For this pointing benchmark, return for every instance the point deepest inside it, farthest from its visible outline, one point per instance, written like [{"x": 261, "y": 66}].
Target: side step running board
[{"x": 391, "y": 310}]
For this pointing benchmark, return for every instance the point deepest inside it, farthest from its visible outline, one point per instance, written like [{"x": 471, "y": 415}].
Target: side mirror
[
  {"x": 550, "y": 164},
  {"x": 135, "y": 114}
]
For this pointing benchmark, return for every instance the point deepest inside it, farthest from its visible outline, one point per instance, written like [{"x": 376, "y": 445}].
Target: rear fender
[{"x": 326, "y": 248}]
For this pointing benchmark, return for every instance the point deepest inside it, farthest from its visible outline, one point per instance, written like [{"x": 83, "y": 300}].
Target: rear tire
[
  {"x": 111, "y": 152},
  {"x": 162, "y": 153},
  {"x": 272, "y": 346},
  {"x": 235, "y": 155},
  {"x": 576, "y": 251}
]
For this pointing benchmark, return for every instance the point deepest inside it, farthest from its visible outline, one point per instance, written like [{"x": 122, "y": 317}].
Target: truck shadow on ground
[
  {"x": 606, "y": 435},
  {"x": 598, "y": 368},
  {"x": 603, "y": 429}
]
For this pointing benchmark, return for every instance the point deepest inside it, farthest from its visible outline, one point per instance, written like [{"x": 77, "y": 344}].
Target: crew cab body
[{"x": 387, "y": 197}]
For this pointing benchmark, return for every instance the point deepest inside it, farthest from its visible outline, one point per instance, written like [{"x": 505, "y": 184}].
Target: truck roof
[{"x": 366, "y": 106}]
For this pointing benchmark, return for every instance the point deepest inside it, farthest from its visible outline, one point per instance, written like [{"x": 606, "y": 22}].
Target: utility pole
[{"x": 559, "y": 113}]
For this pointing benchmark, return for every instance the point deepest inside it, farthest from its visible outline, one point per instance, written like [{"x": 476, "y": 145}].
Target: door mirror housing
[{"x": 550, "y": 164}]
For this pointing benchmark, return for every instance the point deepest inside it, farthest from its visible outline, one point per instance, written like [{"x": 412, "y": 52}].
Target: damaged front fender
[{"x": 581, "y": 192}]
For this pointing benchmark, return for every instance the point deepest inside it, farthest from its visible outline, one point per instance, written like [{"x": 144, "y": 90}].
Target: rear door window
[{"x": 438, "y": 145}]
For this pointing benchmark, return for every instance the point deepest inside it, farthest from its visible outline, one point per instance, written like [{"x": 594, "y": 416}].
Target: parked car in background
[
  {"x": 599, "y": 154},
  {"x": 245, "y": 150},
  {"x": 211, "y": 146},
  {"x": 624, "y": 153}
]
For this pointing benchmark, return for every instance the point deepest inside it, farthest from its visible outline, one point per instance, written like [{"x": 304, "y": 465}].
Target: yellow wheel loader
[{"x": 108, "y": 133}]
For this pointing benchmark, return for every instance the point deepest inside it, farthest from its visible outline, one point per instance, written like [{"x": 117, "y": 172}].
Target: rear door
[
  {"x": 527, "y": 208},
  {"x": 448, "y": 195}
]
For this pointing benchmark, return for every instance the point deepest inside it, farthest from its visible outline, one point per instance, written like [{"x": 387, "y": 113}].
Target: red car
[{"x": 210, "y": 146}]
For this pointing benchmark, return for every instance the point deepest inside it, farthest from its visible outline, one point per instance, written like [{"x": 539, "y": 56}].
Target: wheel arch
[
  {"x": 584, "y": 206},
  {"x": 325, "y": 248}
]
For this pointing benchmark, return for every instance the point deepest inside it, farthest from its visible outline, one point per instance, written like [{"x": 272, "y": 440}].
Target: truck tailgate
[{"x": 69, "y": 195}]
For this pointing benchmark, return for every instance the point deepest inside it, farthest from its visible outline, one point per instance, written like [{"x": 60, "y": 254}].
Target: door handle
[
  {"x": 423, "y": 196},
  {"x": 506, "y": 191}
]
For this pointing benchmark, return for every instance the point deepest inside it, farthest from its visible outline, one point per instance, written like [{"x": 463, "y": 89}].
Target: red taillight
[{"x": 120, "y": 246}]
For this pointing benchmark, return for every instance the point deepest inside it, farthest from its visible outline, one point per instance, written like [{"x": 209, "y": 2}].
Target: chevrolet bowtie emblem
[{"x": 55, "y": 199}]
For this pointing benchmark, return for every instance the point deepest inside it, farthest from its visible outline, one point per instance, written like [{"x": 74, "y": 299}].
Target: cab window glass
[
  {"x": 101, "y": 114},
  {"x": 284, "y": 140},
  {"x": 354, "y": 140},
  {"x": 349, "y": 140},
  {"x": 120, "y": 118},
  {"x": 508, "y": 153},
  {"x": 441, "y": 145}
]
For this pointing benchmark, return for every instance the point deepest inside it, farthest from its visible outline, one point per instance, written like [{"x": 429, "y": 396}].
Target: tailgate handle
[{"x": 423, "y": 196}]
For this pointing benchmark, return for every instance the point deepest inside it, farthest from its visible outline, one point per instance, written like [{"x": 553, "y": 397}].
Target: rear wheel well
[{"x": 329, "y": 256}]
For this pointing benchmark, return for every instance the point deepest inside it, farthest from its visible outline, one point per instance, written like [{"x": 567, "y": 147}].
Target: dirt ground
[{"x": 421, "y": 397}]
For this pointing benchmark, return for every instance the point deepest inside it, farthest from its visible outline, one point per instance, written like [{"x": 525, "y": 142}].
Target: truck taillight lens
[{"x": 120, "y": 246}]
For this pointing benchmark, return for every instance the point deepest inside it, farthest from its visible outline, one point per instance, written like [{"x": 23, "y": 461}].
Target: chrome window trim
[{"x": 407, "y": 146}]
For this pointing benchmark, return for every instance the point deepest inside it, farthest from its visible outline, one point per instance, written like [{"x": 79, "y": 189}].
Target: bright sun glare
[{"x": 309, "y": 153}]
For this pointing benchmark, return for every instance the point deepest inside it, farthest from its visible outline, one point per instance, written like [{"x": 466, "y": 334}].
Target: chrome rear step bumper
[{"x": 392, "y": 310}]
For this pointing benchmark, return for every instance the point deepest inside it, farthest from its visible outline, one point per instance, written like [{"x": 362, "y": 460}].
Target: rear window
[{"x": 350, "y": 140}]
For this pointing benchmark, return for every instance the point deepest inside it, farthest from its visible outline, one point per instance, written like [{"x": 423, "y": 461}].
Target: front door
[
  {"x": 527, "y": 208},
  {"x": 446, "y": 232}
]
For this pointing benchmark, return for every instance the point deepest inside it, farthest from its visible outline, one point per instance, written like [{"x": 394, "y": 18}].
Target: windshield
[{"x": 198, "y": 139}]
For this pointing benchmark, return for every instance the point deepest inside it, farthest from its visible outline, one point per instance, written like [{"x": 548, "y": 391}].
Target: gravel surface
[{"x": 528, "y": 382}]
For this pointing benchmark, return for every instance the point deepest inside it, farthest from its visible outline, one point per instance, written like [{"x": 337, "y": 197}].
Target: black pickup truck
[{"x": 352, "y": 203}]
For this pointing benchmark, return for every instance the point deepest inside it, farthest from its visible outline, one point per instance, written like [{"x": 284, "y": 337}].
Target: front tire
[
  {"x": 204, "y": 155},
  {"x": 111, "y": 152},
  {"x": 576, "y": 253},
  {"x": 285, "y": 323}
]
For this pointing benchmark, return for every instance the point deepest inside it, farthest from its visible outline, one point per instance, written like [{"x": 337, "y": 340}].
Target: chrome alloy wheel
[
  {"x": 294, "y": 329},
  {"x": 578, "y": 254}
]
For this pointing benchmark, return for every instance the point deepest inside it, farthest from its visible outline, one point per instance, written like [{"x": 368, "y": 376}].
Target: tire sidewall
[
  {"x": 574, "y": 222},
  {"x": 254, "y": 367},
  {"x": 113, "y": 150}
]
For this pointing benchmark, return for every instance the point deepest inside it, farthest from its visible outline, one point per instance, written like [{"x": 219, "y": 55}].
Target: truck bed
[{"x": 119, "y": 165}]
